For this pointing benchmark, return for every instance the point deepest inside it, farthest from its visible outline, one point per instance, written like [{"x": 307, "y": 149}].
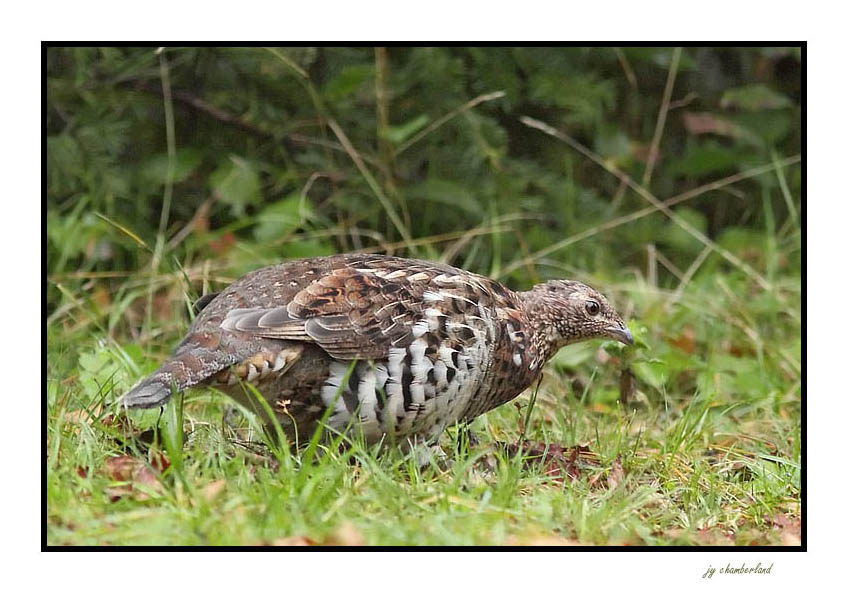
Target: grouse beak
[{"x": 621, "y": 333}]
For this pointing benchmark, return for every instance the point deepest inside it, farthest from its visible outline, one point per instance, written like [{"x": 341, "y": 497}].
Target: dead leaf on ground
[
  {"x": 293, "y": 541},
  {"x": 558, "y": 462},
  {"x": 541, "y": 540},
  {"x": 345, "y": 535},
  {"x": 223, "y": 244},
  {"x": 686, "y": 341},
  {"x": 790, "y": 529},
  {"x": 120, "y": 423},
  {"x": 697, "y": 123},
  {"x": 715, "y": 536},
  {"x": 789, "y": 539},
  {"x": 617, "y": 474},
  {"x": 213, "y": 489},
  {"x": 134, "y": 473},
  {"x": 102, "y": 297},
  {"x": 82, "y": 416}
]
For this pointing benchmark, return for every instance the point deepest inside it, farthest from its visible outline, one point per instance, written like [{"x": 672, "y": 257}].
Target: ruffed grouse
[{"x": 393, "y": 346}]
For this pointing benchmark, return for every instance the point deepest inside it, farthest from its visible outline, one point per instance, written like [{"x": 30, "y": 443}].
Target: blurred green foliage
[{"x": 259, "y": 174}]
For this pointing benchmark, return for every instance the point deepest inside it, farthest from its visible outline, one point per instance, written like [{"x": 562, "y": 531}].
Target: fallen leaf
[
  {"x": 345, "y": 535},
  {"x": 134, "y": 473},
  {"x": 121, "y": 468},
  {"x": 293, "y": 541},
  {"x": 223, "y": 244},
  {"x": 541, "y": 540},
  {"x": 102, "y": 297},
  {"x": 213, "y": 489},
  {"x": 791, "y": 530},
  {"x": 148, "y": 479},
  {"x": 617, "y": 474},
  {"x": 121, "y": 423},
  {"x": 788, "y": 539},
  {"x": 697, "y": 123},
  {"x": 558, "y": 462},
  {"x": 686, "y": 341},
  {"x": 714, "y": 536}
]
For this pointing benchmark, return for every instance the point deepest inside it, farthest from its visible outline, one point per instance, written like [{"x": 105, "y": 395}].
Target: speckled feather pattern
[{"x": 392, "y": 346}]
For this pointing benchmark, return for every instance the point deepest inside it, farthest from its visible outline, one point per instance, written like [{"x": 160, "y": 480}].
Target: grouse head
[{"x": 564, "y": 311}]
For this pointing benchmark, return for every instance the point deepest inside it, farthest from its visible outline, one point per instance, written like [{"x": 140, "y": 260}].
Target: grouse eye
[{"x": 593, "y": 308}]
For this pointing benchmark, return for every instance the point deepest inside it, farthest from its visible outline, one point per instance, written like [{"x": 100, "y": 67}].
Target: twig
[
  {"x": 382, "y": 104},
  {"x": 649, "y": 197},
  {"x": 225, "y": 117},
  {"x": 626, "y": 67},
  {"x": 336, "y": 147},
  {"x": 387, "y": 153},
  {"x": 419, "y": 241},
  {"x": 668, "y": 264},
  {"x": 688, "y": 275},
  {"x": 171, "y": 145},
  {"x": 661, "y": 116},
  {"x": 124, "y": 230},
  {"x": 785, "y": 191},
  {"x": 531, "y": 404},
  {"x": 638, "y": 214},
  {"x": 375, "y": 187},
  {"x": 219, "y": 114},
  {"x": 202, "y": 211},
  {"x": 447, "y": 117},
  {"x": 288, "y": 61},
  {"x": 651, "y": 264},
  {"x": 683, "y": 102},
  {"x": 346, "y": 144}
]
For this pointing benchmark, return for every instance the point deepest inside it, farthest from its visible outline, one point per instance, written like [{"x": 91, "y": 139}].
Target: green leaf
[
  {"x": 584, "y": 97},
  {"x": 307, "y": 248},
  {"x": 572, "y": 356},
  {"x": 704, "y": 158},
  {"x": 769, "y": 126},
  {"x": 237, "y": 183},
  {"x": 347, "y": 81},
  {"x": 754, "y": 97},
  {"x": 679, "y": 238},
  {"x": 154, "y": 171},
  {"x": 172, "y": 432},
  {"x": 447, "y": 192},
  {"x": 98, "y": 372},
  {"x": 653, "y": 372},
  {"x": 612, "y": 143},
  {"x": 281, "y": 218},
  {"x": 398, "y": 134}
]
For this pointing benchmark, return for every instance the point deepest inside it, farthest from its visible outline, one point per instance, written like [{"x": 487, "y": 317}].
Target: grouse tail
[{"x": 191, "y": 365}]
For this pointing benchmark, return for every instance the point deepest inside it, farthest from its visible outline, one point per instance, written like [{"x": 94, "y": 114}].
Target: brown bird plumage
[{"x": 392, "y": 346}]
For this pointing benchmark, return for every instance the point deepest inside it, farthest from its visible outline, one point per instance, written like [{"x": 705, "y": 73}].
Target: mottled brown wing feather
[
  {"x": 350, "y": 313},
  {"x": 359, "y": 310}
]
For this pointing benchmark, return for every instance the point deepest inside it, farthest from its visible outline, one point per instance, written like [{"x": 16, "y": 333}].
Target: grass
[{"x": 706, "y": 451}]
